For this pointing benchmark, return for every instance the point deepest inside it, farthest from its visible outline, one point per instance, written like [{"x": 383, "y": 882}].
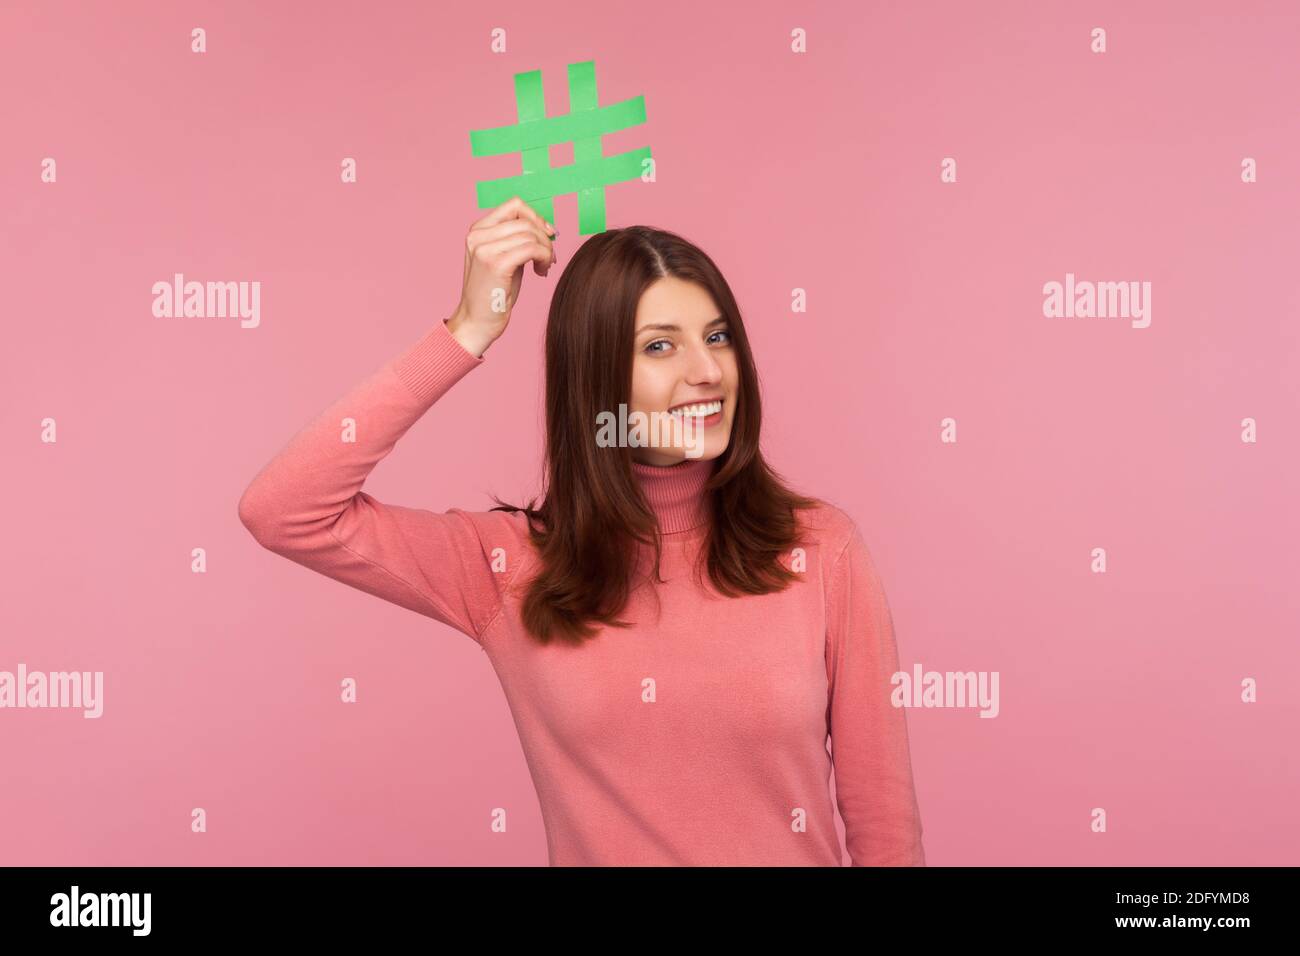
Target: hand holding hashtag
[{"x": 497, "y": 248}]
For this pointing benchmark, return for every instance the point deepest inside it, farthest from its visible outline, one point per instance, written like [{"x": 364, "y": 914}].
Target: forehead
[{"x": 673, "y": 301}]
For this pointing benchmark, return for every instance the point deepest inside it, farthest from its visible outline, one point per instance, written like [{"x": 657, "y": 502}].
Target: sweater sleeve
[
  {"x": 869, "y": 740},
  {"x": 307, "y": 505}
]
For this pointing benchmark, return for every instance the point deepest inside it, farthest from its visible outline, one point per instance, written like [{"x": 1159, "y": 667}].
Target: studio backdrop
[{"x": 1019, "y": 280}]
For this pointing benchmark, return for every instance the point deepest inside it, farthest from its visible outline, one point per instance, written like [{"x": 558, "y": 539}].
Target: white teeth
[{"x": 698, "y": 411}]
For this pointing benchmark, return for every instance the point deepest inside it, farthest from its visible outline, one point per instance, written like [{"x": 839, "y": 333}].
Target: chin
[{"x": 712, "y": 448}]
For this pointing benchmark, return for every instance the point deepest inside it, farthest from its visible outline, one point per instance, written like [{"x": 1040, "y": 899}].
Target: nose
[{"x": 702, "y": 368}]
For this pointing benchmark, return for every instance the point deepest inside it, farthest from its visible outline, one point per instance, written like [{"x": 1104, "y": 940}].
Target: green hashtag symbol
[{"x": 534, "y": 134}]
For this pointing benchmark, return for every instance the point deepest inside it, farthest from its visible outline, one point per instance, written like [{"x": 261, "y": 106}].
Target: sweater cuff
[{"x": 434, "y": 364}]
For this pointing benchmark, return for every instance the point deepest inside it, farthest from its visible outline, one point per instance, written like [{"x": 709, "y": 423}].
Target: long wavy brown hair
[{"x": 587, "y": 530}]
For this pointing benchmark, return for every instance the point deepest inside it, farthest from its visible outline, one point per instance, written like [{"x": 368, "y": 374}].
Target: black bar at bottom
[{"x": 559, "y": 906}]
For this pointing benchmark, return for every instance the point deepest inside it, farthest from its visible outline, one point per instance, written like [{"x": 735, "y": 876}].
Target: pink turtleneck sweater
[{"x": 698, "y": 737}]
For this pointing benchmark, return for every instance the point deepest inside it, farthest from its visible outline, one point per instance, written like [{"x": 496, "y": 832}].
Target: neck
[{"x": 676, "y": 492}]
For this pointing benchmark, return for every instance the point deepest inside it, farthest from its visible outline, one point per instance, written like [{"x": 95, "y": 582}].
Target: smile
[
  {"x": 702, "y": 410},
  {"x": 701, "y": 414}
]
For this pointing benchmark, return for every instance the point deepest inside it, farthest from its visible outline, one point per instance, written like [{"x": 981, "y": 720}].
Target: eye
[{"x": 712, "y": 339}]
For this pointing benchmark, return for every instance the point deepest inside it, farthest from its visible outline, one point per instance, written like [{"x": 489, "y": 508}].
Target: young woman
[{"x": 677, "y": 634}]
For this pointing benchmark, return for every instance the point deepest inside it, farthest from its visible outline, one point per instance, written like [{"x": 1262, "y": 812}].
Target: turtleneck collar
[{"x": 676, "y": 492}]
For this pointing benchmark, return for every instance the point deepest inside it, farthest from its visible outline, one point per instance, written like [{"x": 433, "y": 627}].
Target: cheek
[
  {"x": 648, "y": 391},
  {"x": 732, "y": 377}
]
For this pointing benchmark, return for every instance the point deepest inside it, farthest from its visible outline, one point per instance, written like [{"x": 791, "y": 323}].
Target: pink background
[{"x": 818, "y": 171}]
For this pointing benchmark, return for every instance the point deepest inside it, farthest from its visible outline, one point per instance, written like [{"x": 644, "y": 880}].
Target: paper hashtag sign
[{"x": 534, "y": 135}]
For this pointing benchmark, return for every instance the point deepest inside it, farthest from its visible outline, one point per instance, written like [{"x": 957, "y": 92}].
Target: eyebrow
[{"x": 668, "y": 327}]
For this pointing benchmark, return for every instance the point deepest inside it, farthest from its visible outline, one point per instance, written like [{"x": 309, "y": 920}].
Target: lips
[{"x": 702, "y": 408}]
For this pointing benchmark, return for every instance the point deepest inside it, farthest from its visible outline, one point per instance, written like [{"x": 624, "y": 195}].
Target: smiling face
[{"x": 683, "y": 361}]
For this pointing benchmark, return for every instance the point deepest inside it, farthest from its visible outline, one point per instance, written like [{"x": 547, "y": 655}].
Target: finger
[
  {"x": 514, "y": 228},
  {"x": 503, "y": 252},
  {"x": 514, "y": 257},
  {"x": 484, "y": 235},
  {"x": 514, "y": 208},
  {"x": 493, "y": 248}
]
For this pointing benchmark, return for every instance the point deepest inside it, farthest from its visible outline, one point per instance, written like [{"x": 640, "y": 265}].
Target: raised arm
[
  {"x": 307, "y": 504},
  {"x": 869, "y": 740}
]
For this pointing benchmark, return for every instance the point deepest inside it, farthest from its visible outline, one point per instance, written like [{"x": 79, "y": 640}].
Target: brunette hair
[{"x": 594, "y": 513}]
